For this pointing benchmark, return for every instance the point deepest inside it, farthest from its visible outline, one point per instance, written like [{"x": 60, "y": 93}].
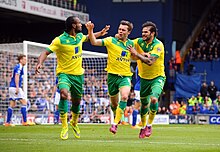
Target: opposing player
[
  {"x": 151, "y": 71},
  {"x": 16, "y": 93},
  {"x": 56, "y": 96},
  {"x": 137, "y": 100},
  {"x": 68, "y": 49},
  {"x": 118, "y": 67}
]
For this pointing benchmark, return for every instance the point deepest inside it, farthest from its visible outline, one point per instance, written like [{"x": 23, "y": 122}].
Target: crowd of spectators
[
  {"x": 76, "y": 5},
  {"x": 206, "y": 46},
  {"x": 206, "y": 102}
]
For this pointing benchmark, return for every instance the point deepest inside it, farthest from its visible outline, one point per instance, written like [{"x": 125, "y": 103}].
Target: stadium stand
[
  {"x": 68, "y": 4},
  {"x": 205, "y": 48}
]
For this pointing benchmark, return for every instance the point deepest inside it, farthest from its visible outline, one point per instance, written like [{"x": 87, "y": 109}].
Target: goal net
[{"x": 94, "y": 108}]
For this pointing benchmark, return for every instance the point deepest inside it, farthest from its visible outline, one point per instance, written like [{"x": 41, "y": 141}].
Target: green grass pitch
[{"x": 97, "y": 138}]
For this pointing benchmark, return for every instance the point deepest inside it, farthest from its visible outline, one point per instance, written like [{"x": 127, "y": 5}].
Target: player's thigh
[
  {"x": 12, "y": 103},
  {"x": 23, "y": 101},
  {"x": 112, "y": 82},
  {"x": 124, "y": 81},
  {"x": 137, "y": 104},
  {"x": 145, "y": 88},
  {"x": 114, "y": 100},
  {"x": 64, "y": 82},
  {"x": 13, "y": 95},
  {"x": 76, "y": 88},
  {"x": 125, "y": 86},
  {"x": 137, "y": 95},
  {"x": 157, "y": 86}
]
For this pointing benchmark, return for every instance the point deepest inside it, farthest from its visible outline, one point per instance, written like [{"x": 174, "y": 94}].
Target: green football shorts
[
  {"x": 115, "y": 82},
  {"x": 73, "y": 83},
  {"x": 152, "y": 87}
]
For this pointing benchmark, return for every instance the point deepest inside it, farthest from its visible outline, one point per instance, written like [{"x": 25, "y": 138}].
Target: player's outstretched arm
[
  {"x": 41, "y": 60},
  {"x": 103, "y": 32},
  {"x": 92, "y": 38},
  {"x": 149, "y": 60}
]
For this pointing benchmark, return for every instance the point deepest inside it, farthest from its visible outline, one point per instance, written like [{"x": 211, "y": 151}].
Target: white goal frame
[{"x": 25, "y": 51}]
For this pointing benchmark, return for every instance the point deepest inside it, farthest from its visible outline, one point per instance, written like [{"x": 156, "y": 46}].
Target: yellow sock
[
  {"x": 74, "y": 118},
  {"x": 63, "y": 118},
  {"x": 151, "y": 117},
  {"x": 144, "y": 120},
  {"x": 119, "y": 113}
]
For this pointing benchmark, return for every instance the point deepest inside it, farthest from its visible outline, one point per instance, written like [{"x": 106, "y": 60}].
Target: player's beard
[
  {"x": 146, "y": 39},
  {"x": 78, "y": 30}
]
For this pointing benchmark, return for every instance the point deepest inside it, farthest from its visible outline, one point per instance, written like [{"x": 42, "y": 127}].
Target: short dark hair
[
  {"x": 152, "y": 25},
  {"x": 129, "y": 24},
  {"x": 21, "y": 56},
  {"x": 69, "y": 21}
]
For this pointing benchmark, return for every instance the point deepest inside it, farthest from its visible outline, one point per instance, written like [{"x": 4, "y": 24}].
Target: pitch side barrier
[{"x": 105, "y": 119}]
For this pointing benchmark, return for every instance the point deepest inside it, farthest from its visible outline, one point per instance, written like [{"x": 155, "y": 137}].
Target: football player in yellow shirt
[
  {"x": 68, "y": 49},
  {"x": 150, "y": 54},
  {"x": 118, "y": 67}
]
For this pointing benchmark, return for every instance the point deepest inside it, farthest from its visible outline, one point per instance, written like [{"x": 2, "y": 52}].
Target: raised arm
[
  {"x": 149, "y": 60},
  {"x": 41, "y": 60},
  {"x": 103, "y": 32},
  {"x": 92, "y": 38}
]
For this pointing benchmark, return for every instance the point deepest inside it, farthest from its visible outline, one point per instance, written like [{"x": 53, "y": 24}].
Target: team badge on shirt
[
  {"x": 158, "y": 49},
  {"x": 124, "y": 53},
  {"x": 76, "y": 50}
]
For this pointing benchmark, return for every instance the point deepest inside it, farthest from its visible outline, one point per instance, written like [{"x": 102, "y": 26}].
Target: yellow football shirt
[
  {"x": 156, "y": 48},
  {"x": 68, "y": 50},
  {"x": 119, "y": 58}
]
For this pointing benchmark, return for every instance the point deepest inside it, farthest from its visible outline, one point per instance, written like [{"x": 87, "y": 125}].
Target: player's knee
[
  {"x": 63, "y": 95},
  {"x": 124, "y": 97},
  {"x": 12, "y": 104},
  {"x": 23, "y": 102},
  {"x": 144, "y": 106},
  {"x": 76, "y": 101},
  {"x": 154, "y": 100}
]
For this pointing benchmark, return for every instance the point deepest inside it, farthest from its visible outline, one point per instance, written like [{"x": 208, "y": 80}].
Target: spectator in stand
[
  {"x": 41, "y": 104},
  {"x": 172, "y": 67},
  {"x": 217, "y": 102},
  {"x": 207, "y": 101},
  {"x": 164, "y": 110},
  {"x": 200, "y": 99},
  {"x": 182, "y": 109},
  {"x": 192, "y": 101},
  {"x": 178, "y": 60},
  {"x": 212, "y": 90},
  {"x": 204, "y": 90},
  {"x": 196, "y": 108},
  {"x": 159, "y": 110},
  {"x": 174, "y": 108}
]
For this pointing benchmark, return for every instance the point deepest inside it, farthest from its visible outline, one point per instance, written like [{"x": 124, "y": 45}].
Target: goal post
[{"x": 95, "y": 105}]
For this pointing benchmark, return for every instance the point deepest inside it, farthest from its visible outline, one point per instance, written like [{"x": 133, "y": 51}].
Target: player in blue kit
[
  {"x": 16, "y": 93},
  {"x": 56, "y": 96},
  {"x": 137, "y": 100}
]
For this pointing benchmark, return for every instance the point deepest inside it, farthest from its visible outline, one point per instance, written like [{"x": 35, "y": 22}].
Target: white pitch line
[{"x": 118, "y": 141}]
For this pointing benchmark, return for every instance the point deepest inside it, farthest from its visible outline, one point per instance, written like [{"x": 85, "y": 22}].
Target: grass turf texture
[{"x": 97, "y": 138}]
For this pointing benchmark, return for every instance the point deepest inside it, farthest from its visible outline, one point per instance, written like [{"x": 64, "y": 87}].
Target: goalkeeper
[{"x": 68, "y": 49}]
